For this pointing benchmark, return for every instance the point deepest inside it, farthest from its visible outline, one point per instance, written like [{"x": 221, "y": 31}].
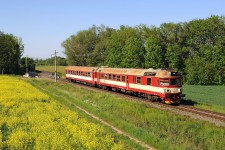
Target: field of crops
[
  {"x": 30, "y": 119},
  {"x": 206, "y": 97}
]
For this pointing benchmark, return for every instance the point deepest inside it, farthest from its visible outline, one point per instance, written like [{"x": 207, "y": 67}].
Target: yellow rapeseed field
[{"x": 30, "y": 119}]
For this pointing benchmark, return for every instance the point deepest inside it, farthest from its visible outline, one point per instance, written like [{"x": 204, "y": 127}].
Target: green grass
[
  {"x": 60, "y": 69},
  {"x": 206, "y": 97},
  {"x": 160, "y": 129}
]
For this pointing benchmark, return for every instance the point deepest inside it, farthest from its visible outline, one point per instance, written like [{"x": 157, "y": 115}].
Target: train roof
[
  {"x": 139, "y": 72},
  {"x": 162, "y": 72},
  {"x": 81, "y": 68},
  {"x": 125, "y": 71}
]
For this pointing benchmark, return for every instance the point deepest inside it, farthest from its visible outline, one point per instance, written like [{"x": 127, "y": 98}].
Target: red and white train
[{"x": 154, "y": 84}]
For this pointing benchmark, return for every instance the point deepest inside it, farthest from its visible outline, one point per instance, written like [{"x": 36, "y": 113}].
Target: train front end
[{"x": 169, "y": 82}]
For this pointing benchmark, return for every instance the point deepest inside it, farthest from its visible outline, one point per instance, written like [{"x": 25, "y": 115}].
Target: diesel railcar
[{"x": 154, "y": 84}]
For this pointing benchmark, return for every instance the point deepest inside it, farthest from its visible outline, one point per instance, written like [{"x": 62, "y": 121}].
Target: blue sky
[{"x": 44, "y": 24}]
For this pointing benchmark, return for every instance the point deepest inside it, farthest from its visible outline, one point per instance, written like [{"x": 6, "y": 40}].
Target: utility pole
[
  {"x": 26, "y": 66},
  {"x": 55, "y": 67}
]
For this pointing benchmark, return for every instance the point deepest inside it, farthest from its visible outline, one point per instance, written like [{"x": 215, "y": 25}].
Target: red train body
[{"x": 154, "y": 84}]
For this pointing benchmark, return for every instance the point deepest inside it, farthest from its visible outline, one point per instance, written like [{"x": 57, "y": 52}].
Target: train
[{"x": 163, "y": 84}]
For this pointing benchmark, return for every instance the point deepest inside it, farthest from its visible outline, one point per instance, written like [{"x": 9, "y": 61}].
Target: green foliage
[
  {"x": 133, "y": 53},
  {"x": 114, "y": 51},
  {"x": 11, "y": 49},
  {"x": 154, "y": 57},
  {"x": 182, "y": 46}
]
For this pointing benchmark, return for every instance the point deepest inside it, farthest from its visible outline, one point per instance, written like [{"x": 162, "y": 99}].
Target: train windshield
[
  {"x": 175, "y": 81},
  {"x": 168, "y": 82}
]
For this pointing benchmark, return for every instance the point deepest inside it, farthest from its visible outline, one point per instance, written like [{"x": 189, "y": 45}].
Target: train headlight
[
  {"x": 167, "y": 90},
  {"x": 180, "y": 90}
]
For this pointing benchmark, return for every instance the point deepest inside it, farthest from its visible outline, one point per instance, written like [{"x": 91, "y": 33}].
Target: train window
[
  {"x": 89, "y": 74},
  {"x": 175, "y": 82},
  {"x": 138, "y": 80},
  {"x": 102, "y": 76},
  {"x": 106, "y": 76},
  {"x": 118, "y": 78},
  {"x": 164, "y": 82},
  {"x": 123, "y": 78},
  {"x": 110, "y": 76},
  {"x": 114, "y": 77},
  {"x": 148, "y": 81}
]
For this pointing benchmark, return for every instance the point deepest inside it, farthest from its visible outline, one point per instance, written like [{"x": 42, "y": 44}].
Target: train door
[
  {"x": 98, "y": 77},
  {"x": 127, "y": 82},
  {"x": 93, "y": 76}
]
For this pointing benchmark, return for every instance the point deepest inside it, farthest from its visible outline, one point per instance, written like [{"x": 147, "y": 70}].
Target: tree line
[
  {"x": 51, "y": 61},
  {"x": 195, "y": 48}
]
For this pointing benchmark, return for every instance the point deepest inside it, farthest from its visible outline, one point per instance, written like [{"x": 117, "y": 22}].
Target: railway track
[
  {"x": 186, "y": 110},
  {"x": 203, "y": 112}
]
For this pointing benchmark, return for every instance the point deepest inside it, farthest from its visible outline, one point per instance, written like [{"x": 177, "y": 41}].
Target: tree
[
  {"x": 114, "y": 51},
  {"x": 133, "y": 53},
  {"x": 11, "y": 49},
  {"x": 79, "y": 47},
  {"x": 205, "y": 41},
  {"x": 99, "y": 53},
  {"x": 154, "y": 57},
  {"x": 30, "y": 64}
]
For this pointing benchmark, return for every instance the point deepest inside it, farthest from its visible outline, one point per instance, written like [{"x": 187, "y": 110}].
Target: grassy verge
[
  {"x": 206, "y": 97},
  {"x": 60, "y": 69},
  {"x": 157, "y": 128}
]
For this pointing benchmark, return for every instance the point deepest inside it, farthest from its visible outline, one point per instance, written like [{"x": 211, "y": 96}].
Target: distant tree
[
  {"x": 119, "y": 45},
  {"x": 51, "y": 61},
  {"x": 205, "y": 41},
  {"x": 114, "y": 51},
  {"x": 30, "y": 64},
  {"x": 154, "y": 57},
  {"x": 99, "y": 53},
  {"x": 11, "y": 49},
  {"x": 133, "y": 53},
  {"x": 78, "y": 48}
]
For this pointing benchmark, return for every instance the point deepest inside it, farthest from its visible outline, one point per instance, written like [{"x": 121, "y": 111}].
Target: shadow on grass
[
  {"x": 188, "y": 102},
  {"x": 37, "y": 71}
]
